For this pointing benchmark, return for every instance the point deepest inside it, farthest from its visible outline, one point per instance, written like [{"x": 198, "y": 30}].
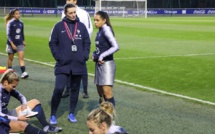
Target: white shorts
[
  {"x": 11, "y": 51},
  {"x": 105, "y": 73}
]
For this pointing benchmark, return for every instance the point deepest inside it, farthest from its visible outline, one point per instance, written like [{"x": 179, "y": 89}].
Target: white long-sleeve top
[{"x": 84, "y": 17}]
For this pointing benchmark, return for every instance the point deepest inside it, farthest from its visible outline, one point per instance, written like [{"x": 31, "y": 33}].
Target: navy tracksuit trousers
[
  {"x": 60, "y": 83},
  {"x": 84, "y": 79}
]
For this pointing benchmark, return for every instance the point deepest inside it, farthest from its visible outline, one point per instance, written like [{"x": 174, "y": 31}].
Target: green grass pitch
[{"x": 174, "y": 54}]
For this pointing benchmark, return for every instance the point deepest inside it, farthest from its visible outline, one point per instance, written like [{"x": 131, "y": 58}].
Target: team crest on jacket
[
  {"x": 18, "y": 30},
  {"x": 78, "y": 35},
  {"x": 97, "y": 50}
]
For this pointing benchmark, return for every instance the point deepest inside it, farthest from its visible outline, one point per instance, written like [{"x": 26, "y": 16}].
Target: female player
[
  {"x": 101, "y": 120},
  {"x": 106, "y": 46},
  {"x": 15, "y": 40},
  {"x": 8, "y": 83}
]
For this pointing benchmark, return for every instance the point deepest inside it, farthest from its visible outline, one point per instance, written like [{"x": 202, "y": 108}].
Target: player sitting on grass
[{"x": 8, "y": 83}]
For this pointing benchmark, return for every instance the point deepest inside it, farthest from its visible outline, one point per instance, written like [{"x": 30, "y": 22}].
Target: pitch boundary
[
  {"x": 168, "y": 56},
  {"x": 135, "y": 85}
]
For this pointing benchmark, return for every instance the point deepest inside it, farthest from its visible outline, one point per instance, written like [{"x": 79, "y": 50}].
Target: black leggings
[
  {"x": 85, "y": 80},
  {"x": 60, "y": 82}
]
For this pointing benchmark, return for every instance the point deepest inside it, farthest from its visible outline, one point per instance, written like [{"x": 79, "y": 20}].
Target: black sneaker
[
  {"x": 66, "y": 93},
  {"x": 85, "y": 95},
  {"x": 52, "y": 129}
]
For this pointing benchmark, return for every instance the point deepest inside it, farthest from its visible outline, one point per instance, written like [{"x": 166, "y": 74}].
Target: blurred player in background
[{"x": 15, "y": 40}]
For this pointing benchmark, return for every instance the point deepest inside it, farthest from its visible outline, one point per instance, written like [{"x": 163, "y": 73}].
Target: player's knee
[
  {"x": 108, "y": 95},
  {"x": 21, "y": 58},
  {"x": 10, "y": 59},
  {"x": 34, "y": 101},
  {"x": 58, "y": 91},
  {"x": 22, "y": 125}
]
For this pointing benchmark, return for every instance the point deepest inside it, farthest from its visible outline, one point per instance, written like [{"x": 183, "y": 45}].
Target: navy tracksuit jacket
[{"x": 60, "y": 45}]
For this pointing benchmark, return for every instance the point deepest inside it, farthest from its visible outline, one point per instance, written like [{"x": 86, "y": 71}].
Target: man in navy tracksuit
[{"x": 70, "y": 46}]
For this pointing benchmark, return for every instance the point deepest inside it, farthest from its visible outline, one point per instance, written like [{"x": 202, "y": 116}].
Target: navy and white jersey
[
  {"x": 15, "y": 32},
  {"x": 5, "y": 98},
  {"x": 106, "y": 44}
]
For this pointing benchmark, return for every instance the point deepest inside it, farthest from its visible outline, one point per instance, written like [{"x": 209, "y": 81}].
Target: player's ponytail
[
  {"x": 108, "y": 108},
  {"x": 104, "y": 15},
  {"x": 10, "y": 15},
  {"x": 99, "y": 116},
  {"x": 10, "y": 76}
]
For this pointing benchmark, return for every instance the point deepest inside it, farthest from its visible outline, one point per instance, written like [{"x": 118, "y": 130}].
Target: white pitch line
[
  {"x": 51, "y": 62},
  {"x": 166, "y": 93},
  {"x": 149, "y": 57},
  {"x": 136, "y": 85}
]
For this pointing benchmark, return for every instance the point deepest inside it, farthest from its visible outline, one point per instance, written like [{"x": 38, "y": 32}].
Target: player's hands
[
  {"x": 24, "y": 43},
  {"x": 23, "y": 107},
  {"x": 23, "y": 118},
  {"x": 13, "y": 46},
  {"x": 101, "y": 62}
]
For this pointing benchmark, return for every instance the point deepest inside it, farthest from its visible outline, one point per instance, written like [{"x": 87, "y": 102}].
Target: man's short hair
[{"x": 68, "y": 6}]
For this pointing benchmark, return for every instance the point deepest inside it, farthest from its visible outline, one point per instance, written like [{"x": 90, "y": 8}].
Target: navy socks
[
  {"x": 22, "y": 69},
  {"x": 41, "y": 116},
  {"x": 112, "y": 100},
  {"x": 33, "y": 130}
]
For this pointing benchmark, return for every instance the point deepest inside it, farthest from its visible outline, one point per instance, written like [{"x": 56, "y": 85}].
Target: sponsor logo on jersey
[{"x": 17, "y": 37}]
